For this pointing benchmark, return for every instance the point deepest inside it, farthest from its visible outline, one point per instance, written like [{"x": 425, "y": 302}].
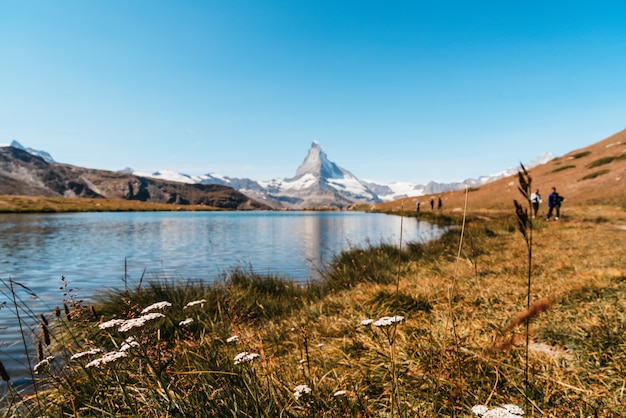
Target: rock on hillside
[{"x": 22, "y": 173}]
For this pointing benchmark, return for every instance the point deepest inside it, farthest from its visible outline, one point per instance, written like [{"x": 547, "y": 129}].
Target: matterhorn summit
[
  {"x": 319, "y": 182},
  {"x": 317, "y": 164}
]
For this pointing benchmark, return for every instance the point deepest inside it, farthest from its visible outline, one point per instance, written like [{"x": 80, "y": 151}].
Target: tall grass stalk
[
  {"x": 452, "y": 291},
  {"x": 20, "y": 323},
  {"x": 525, "y": 226},
  {"x": 395, "y": 393}
]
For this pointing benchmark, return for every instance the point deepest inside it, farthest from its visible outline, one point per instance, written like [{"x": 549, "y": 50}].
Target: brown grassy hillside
[{"x": 592, "y": 175}]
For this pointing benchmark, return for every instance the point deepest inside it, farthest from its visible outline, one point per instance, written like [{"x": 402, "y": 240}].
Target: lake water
[{"x": 96, "y": 251}]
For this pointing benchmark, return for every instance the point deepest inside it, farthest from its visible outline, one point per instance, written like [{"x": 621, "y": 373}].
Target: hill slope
[{"x": 591, "y": 175}]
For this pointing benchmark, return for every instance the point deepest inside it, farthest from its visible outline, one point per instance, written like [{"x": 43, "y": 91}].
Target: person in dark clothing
[
  {"x": 432, "y": 203},
  {"x": 417, "y": 206},
  {"x": 554, "y": 204},
  {"x": 439, "y": 204}
]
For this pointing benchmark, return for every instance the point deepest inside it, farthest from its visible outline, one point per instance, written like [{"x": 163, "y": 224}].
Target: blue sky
[{"x": 393, "y": 91}]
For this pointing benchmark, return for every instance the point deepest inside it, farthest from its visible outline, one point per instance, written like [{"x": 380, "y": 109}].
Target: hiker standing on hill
[
  {"x": 432, "y": 203},
  {"x": 417, "y": 206},
  {"x": 439, "y": 204},
  {"x": 554, "y": 203},
  {"x": 535, "y": 200}
]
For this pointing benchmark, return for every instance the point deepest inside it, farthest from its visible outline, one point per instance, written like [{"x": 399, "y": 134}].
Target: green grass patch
[
  {"x": 601, "y": 161},
  {"x": 563, "y": 168},
  {"x": 595, "y": 174}
]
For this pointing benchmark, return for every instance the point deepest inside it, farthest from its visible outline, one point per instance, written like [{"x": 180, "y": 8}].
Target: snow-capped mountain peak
[
  {"x": 38, "y": 153},
  {"x": 318, "y": 164},
  {"x": 319, "y": 182}
]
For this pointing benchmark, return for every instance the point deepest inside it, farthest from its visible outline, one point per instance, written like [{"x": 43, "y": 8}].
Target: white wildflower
[
  {"x": 151, "y": 316},
  {"x": 506, "y": 411},
  {"x": 340, "y": 393},
  {"x": 107, "y": 358},
  {"x": 129, "y": 343},
  {"x": 130, "y": 324},
  {"x": 200, "y": 302},
  {"x": 367, "y": 322},
  {"x": 387, "y": 321},
  {"x": 480, "y": 410},
  {"x": 43, "y": 364},
  {"x": 86, "y": 353},
  {"x": 498, "y": 413},
  {"x": 111, "y": 324},
  {"x": 245, "y": 357},
  {"x": 185, "y": 322},
  {"x": 301, "y": 390},
  {"x": 139, "y": 322},
  {"x": 156, "y": 306},
  {"x": 513, "y": 409},
  {"x": 232, "y": 339}
]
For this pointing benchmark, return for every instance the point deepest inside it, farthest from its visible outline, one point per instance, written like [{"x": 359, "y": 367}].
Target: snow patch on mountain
[{"x": 38, "y": 153}]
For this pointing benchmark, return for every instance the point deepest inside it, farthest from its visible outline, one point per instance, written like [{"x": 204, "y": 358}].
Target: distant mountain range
[
  {"x": 24, "y": 172},
  {"x": 318, "y": 183}
]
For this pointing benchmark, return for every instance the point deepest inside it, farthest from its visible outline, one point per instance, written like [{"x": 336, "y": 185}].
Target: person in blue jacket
[{"x": 554, "y": 204}]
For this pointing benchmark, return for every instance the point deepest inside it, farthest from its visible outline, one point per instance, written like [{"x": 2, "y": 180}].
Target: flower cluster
[
  {"x": 232, "y": 339},
  {"x": 111, "y": 324},
  {"x": 185, "y": 322},
  {"x": 86, "y": 353},
  {"x": 195, "y": 302},
  {"x": 139, "y": 322},
  {"x": 43, "y": 364},
  {"x": 107, "y": 358},
  {"x": 245, "y": 357},
  {"x": 301, "y": 390},
  {"x": 156, "y": 306},
  {"x": 506, "y": 411},
  {"x": 129, "y": 343},
  {"x": 387, "y": 321},
  {"x": 367, "y": 322}
]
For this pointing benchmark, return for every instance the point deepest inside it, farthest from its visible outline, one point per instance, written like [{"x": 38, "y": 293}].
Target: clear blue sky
[{"x": 393, "y": 90}]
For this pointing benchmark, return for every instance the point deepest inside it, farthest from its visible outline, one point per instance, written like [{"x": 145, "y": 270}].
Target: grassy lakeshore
[
  {"x": 456, "y": 335},
  {"x": 40, "y": 204}
]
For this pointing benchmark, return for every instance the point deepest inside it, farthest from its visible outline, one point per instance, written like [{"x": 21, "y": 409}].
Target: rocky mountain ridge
[{"x": 22, "y": 173}]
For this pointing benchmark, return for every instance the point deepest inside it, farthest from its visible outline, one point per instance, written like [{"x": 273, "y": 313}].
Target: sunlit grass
[{"x": 39, "y": 204}]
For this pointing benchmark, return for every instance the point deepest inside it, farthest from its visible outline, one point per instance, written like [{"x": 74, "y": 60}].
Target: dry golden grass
[{"x": 28, "y": 204}]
